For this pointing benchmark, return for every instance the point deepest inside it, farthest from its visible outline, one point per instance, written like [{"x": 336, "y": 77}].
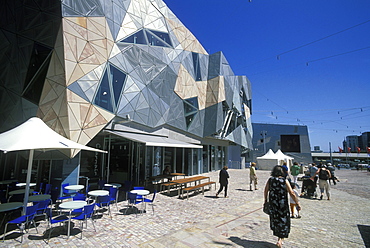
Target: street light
[{"x": 263, "y": 134}]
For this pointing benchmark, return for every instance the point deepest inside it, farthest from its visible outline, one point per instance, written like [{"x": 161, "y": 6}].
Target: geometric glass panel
[
  {"x": 196, "y": 65},
  {"x": 36, "y": 72},
  {"x": 160, "y": 38},
  {"x": 190, "y": 109},
  {"x": 103, "y": 97},
  {"x": 136, "y": 38},
  {"x": 118, "y": 80}
]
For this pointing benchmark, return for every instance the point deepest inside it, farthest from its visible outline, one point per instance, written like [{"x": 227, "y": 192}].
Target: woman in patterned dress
[{"x": 276, "y": 192}]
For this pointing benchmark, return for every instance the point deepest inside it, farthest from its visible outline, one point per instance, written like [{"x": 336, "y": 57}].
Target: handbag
[{"x": 266, "y": 208}]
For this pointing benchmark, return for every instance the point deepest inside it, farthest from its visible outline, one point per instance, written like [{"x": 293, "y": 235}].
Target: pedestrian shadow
[
  {"x": 251, "y": 243},
  {"x": 243, "y": 190},
  {"x": 365, "y": 234}
]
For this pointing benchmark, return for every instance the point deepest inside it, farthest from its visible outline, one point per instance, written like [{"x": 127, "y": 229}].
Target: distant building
[
  {"x": 317, "y": 149},
  {"x": 292, "y": 140},
  {"x": 354, "y": 141}
]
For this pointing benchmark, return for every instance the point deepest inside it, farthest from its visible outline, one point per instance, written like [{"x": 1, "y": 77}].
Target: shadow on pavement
[
  {"x": 365, "y": 234},
  {"x": 251, "y": 243}
]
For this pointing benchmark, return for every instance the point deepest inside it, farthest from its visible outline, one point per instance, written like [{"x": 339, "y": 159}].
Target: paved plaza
[{"x": 237, "y": 221}]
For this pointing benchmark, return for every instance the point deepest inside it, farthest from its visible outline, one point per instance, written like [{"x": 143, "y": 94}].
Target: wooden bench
[
  {"x": 196, "y": 187},
  {"x": 168, "y": 185}
]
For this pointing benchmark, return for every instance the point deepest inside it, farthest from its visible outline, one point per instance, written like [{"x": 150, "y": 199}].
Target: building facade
[
  {"x": 292, "y": 140},
  {"x": 125, "y": 76},
  {"x": 357, "y": 143}
]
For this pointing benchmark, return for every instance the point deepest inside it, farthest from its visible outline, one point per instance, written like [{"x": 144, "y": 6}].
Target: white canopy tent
[
  {"x": 33, "y": 135},
  {"x": 267, "y": 161},
  {"x": 270, "y": 159}
]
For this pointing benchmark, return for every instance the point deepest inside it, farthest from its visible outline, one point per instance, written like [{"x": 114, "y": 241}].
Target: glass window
[
  {"x": 155, "y": 41},
  {"x": 103, "y": 97},
  {"x": 118, "y": 80},
  {"x": 190, "y": 109},
  {"x": 137, "y": 38},
  {"x": 163, "y": 36},
  {"x": 196, "y": 65}
]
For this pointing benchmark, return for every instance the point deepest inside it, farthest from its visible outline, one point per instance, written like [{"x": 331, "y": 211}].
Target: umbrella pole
[{"x": 28, "y": 180}]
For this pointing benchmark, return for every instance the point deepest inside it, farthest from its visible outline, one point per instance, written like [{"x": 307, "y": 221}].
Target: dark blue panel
[
  {"x": 196, "y": 65},
  {"x": 165, "y": 37},
  {"x": 137, "y": 38},
  {"x": 118, "y": 80},
  {"x": 103, "y": 97}
]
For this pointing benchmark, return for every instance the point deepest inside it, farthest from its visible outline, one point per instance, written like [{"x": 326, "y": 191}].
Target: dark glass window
[
  {"x": 110, "y": 88},
  {"x": 36, "y": 72},
  {"x": 149, "y": 37},
  {"x": 163, "y": 36},
  {"x": 118, "y": 80},
  {"x": 103, "y": 97},
  {"x": 137, "y": 38},
  {"x": 196, "y": 65},
  {"x": 290, "y": 143},
  {"x": 190, "y": 109},
  {"x": 155, "y": 41}
]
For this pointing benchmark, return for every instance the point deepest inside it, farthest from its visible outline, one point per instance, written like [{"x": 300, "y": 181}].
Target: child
[{"x": 293, "y": 204}]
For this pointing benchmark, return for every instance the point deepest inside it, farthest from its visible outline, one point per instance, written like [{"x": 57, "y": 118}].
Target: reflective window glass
[
  {"x": 137, "y": 38},
  {"x": 103, "y": 97},
  {"x": 118, "y": 80},
  {"x": 196, "y": 65},
  {"x": 163, "y": 36}
]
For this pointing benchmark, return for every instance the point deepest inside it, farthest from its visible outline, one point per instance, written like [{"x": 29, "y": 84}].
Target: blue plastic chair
[
  {"x": 102, "y": 183},
  {"x": 39, "y": 191},
  {"x": 78, "y": 197},
  {"x": 66, "y": 194},
  {"x": 132, "y": 202},
  {"x": 139, "y": 197},
  {"x": 42, "y": 208},
  {"x": 23, "y": 220},
  {"x": 87, "y": 213},
  {"x": 47, "y": 189},
  {"x": 151, "y": 201},
  {"x": 104, "y": 202},
  {"x": 55, "y": 220},
  {"x": 113, "y": 193}
]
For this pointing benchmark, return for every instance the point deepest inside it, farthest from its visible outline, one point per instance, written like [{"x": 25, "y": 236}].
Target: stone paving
[{"x": 237, "y": 221}]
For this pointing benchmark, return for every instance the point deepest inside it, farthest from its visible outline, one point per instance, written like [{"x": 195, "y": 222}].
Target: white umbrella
[{"x": 33, "y": 135}]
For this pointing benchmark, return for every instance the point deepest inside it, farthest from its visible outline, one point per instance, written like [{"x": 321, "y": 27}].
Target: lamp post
[{"x": 263, "y": 134}]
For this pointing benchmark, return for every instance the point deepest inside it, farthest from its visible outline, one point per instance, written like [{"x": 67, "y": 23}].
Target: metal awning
[{"x": 151, "y": 140}]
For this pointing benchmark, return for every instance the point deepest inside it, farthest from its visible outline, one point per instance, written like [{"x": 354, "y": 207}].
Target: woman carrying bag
[{"x": 276, "y": 193}]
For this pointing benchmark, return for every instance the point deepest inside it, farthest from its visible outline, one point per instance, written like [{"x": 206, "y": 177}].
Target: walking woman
[
  {"x": 276, "y": 192},
  {"x": 224, "y": 181}
]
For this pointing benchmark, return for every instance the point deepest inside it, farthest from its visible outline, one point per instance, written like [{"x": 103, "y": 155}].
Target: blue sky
[{"x": 308, "y": 61}]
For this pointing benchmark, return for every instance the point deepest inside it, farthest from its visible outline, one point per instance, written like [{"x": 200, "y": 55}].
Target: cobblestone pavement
[{"x": 237, "y": 221}]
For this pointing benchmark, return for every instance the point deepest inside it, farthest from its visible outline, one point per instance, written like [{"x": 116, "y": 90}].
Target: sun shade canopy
[
  {"x": 34, "y": 134},
  {"x": 151, "y": 140}
]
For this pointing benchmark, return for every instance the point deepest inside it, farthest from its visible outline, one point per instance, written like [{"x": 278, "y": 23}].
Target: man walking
[{"x": 253, "y": 176}]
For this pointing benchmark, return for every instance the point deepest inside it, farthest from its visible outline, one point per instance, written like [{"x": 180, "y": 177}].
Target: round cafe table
[
  {"x": 74, "y": 187},
  {"x": 142, "y": 192},
  {"x": 71, "y": 205},
  {"x": 116, "y": 185},
  {"x": 18, "y": 191},
  {"x": 24, "y": 184},
  {"x": 4, "y": 207},
  {"x": 9, "y": 206},
  {"x": 97, "y": 193}
]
